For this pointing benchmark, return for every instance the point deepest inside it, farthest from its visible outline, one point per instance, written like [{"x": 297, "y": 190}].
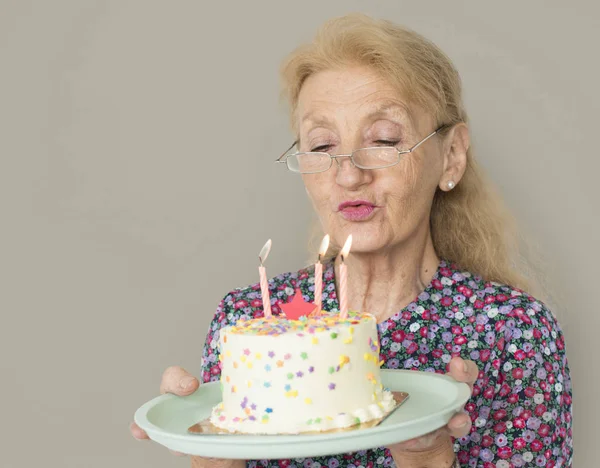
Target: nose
[
  {"x": 339, "y": 159},
  {"x": 348, "y": 175}
]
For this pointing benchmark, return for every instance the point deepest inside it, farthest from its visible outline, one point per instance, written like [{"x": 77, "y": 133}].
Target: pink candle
[
  {"x": 264, "y": 290},
  {"x": 343, "y": 290},
  {"x": 344, "y": 279},
  {"x": 318, "y": 285},
  {"x": 319, "y": 274},
  {"x": 264, "y": 284}
]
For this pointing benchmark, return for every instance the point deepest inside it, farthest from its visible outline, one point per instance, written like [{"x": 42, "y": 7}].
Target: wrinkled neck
[{"x": 383, "y": 283}]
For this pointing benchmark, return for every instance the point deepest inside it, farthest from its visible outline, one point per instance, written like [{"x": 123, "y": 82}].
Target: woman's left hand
[{"x": 459, "y": 426}]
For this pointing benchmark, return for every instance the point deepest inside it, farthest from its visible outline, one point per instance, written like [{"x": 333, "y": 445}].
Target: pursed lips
[
  {"x": 353, "y": 203},
  {"x": 356, "y": 210}
]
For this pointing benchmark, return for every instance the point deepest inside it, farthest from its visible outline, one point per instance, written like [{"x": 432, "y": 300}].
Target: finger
[
  {"x": 459, "y": 425},
  {"x": 178, "y": 381},
  {"x": 137, "y": 432},
  {"x": 422, "y": 443},
  {"x": 463, "y": 370}
]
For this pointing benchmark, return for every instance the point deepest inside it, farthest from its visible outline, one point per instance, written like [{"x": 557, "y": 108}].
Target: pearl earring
[{"x": 450, "y": 184}]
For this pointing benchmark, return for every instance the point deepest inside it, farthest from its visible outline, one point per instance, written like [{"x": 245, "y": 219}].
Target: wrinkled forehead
[
  {"x": 354, "y": 96},
  {"x": 324, "y": 114}
]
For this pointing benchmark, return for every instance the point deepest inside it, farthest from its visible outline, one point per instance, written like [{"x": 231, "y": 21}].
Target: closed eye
[
  {"x": 320, "y": 149},
  {"x": 387, "y": 142}
]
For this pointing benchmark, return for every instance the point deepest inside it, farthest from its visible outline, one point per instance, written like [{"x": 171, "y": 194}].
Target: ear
[{"x": 456, "y": 145}]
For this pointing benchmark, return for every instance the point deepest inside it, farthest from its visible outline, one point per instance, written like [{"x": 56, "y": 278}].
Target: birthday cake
[{"x": 284, "y": 375}]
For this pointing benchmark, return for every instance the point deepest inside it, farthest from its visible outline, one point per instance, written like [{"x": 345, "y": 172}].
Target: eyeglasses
[{"x": 375, "y": 157}]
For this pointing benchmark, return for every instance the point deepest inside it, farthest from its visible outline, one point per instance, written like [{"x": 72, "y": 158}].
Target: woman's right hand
[
  {"x": 178, "y": 381},
  {"x": 175, "y": 380}
]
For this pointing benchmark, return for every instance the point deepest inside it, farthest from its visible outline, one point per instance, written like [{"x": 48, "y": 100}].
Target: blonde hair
[{"x": 469, "y": 225}]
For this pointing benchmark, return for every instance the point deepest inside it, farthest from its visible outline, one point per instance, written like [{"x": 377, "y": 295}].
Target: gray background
[{"x": 137, "y": 186}]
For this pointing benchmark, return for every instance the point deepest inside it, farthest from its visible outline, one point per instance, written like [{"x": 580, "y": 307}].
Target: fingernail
[
  {"x": 463, "y": 423},
  {"x": 465, "y": 367},
  {"x": 186, "y": 382}
]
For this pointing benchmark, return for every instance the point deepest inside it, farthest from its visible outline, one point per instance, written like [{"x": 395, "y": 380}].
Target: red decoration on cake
[{"x": 298, "y": 307}]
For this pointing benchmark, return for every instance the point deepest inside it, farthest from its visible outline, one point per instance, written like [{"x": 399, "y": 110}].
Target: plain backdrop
[{"x": 137, "y": 186}]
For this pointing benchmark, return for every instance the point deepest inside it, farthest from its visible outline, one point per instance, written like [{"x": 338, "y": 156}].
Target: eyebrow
[
  {"x": 319, "y": 119},
  {"x": 390, "y": 108},
  {"x": 384, "y": 110}
]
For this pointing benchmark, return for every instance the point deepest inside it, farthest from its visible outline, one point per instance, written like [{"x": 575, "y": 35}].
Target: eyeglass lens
[{"x": 366, "y": 158}]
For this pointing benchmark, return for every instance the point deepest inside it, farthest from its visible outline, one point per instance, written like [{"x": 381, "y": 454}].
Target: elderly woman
[{"x": 382, "y": 147}]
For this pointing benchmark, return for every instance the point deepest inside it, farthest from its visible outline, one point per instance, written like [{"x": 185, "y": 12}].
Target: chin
[
  {"x": 368, "y": 246},
  {"x": 363, "y": 240}
]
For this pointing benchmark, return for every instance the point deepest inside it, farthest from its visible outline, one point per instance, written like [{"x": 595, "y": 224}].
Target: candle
[
  {"x": 264, "y": 284},
  {"x": 319, "y": 274},
  {"x": 344, "y": 279}
]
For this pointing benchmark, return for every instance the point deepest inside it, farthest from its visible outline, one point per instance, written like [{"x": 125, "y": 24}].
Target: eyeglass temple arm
[
  {"x": 279, "y": 159},
  {"x": 443, "y": 127}
]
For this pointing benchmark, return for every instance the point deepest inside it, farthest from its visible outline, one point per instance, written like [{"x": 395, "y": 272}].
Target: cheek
[
  {"x": 319, "y": 188},
  {"x": 409, "y": 187},
  {"x": 403, "y": 182}
]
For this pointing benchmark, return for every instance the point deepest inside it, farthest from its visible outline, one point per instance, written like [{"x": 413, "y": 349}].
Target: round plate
[{"x": 433, "y": 400}]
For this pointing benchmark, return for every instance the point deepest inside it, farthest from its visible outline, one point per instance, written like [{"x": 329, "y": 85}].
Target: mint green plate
[{"x": 434, "y": 399}]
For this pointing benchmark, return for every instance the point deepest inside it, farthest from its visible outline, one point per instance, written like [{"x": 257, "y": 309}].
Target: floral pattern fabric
[{"x": 521, "y": 405}]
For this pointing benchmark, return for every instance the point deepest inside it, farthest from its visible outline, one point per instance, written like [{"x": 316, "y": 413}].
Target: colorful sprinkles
[{"x": 279, "y": 325}]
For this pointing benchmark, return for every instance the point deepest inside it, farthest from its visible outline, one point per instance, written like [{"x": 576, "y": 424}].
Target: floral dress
[{"x": 521, "y": 405}]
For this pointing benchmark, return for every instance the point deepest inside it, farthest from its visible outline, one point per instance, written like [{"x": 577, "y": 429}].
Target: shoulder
[{"x": 505, "y": 307}]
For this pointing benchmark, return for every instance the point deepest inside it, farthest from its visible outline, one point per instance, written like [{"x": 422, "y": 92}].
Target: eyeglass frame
[{"x": 350, "y": 155}]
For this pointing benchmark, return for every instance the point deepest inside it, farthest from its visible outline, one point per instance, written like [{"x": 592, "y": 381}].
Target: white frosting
[{"x": 289, "y": 376}]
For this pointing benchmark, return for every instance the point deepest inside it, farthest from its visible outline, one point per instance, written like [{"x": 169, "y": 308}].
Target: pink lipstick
[{"x": 356, "y": 210}]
